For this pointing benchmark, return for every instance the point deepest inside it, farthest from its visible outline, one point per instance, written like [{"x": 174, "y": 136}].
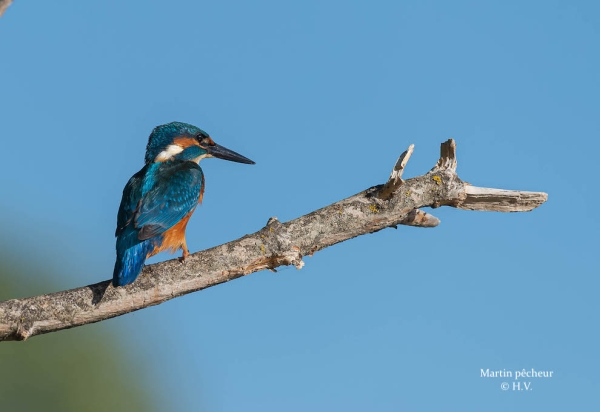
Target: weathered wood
[
  {"x": 395, "y": 180},
  {"x": 274, "y": 245},
  {"x": 498, "y": 200}
]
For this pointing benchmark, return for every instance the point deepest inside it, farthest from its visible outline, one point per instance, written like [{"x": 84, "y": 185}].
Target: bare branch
[{"x": 274, "y": 245}]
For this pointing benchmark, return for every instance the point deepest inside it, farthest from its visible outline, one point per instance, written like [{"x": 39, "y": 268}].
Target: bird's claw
[{"x": 184, "y": 255}]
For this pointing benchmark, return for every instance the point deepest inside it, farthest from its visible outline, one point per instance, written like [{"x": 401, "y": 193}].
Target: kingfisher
[{"x": 159, "y": 200}]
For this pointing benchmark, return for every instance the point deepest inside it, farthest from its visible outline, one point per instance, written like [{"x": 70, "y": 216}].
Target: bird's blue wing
[
  {"x": 132, "y": 193},
  {"x": 174, "y": 192}
]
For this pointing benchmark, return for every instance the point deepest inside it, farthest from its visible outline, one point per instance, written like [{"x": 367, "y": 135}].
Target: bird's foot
[{"x": 184, "y": 255}]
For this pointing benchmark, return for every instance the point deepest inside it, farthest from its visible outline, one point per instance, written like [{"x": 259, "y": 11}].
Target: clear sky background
[{"x": 324, "y": 96}]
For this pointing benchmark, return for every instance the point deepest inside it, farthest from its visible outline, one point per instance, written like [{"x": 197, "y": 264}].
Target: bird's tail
[{"x": 130, "y": 260}]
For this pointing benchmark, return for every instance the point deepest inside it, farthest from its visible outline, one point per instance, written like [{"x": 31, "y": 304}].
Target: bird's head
[{"x": 182, "y": 141}]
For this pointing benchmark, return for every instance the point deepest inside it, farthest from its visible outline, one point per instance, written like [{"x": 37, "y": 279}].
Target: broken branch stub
[{"x": 395, "y": 180}]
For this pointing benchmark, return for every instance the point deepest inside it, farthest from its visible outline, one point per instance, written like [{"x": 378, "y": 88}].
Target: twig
[{"x": 4, "y": 5}]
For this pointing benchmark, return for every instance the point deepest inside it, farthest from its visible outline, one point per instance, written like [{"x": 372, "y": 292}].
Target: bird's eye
[{"x": 204, "y": 139}]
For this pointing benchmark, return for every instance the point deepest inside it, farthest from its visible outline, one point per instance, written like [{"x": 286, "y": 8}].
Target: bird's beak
[{"x": 221, "y": 152}]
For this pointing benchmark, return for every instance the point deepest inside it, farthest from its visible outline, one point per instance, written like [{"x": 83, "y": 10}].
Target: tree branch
[{"x": 395, "y": 202}]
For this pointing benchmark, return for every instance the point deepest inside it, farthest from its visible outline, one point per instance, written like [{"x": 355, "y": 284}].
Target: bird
[{"x": 159, "y": 200}]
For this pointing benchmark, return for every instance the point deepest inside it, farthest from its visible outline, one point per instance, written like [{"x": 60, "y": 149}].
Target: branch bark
[{"x": 393, "y": 203}]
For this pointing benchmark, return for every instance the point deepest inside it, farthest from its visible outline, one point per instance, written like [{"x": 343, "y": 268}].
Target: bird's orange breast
[{"x": 173, "y": 238}]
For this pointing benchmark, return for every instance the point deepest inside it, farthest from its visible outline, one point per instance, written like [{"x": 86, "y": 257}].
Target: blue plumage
[
  {"x": 158, "y": 200},
  {"x": 131, "y": 255},
  {"x": 154, "y": 200},
  {"x": 174, "y": 191}
]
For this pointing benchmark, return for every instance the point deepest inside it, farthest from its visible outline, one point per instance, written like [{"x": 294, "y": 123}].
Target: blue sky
[{"x": 324, "y": 96}]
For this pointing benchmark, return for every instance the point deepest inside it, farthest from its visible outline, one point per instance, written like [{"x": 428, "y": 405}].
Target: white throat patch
[
  {"x": 168, "y": 153},
  {"x": 204, "y": 156}
]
